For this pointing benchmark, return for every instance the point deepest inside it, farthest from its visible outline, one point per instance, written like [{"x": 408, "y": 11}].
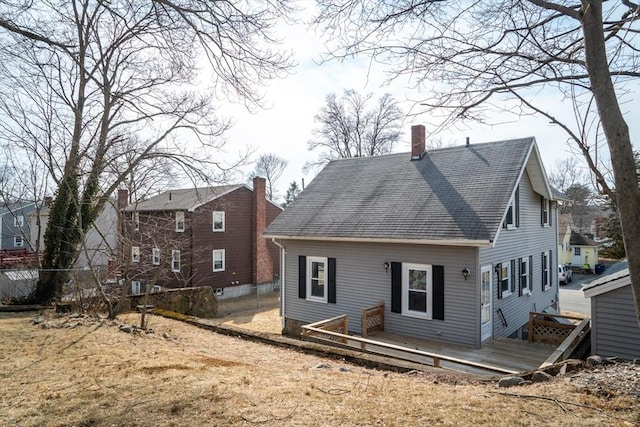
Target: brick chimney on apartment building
[
  {"x": 262, "y": 262},
  {"x": 417, "y": 142}
]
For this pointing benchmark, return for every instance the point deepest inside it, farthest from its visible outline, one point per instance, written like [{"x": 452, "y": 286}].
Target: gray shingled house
[
  {"x": 614, "y": 325},
  {"x": 459, "y": 243}
]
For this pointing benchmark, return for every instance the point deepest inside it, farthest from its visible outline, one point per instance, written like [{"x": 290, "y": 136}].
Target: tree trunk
[{"x": 616, "y": 131}]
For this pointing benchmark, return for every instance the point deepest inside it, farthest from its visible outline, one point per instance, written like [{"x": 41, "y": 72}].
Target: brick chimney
[
  {"x": 123, "y": 198},
  {"x": 262, "y": 262},
  {"x": 417, "y": 142}
]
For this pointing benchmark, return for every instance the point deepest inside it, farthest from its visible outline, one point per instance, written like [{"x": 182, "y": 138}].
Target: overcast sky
[{"x": 286, "y": 126}]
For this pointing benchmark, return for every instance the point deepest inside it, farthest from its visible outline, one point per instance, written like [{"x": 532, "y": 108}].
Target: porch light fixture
[
  {"x": 465, "y": 273},
  {"x": 386, "y": 265}
]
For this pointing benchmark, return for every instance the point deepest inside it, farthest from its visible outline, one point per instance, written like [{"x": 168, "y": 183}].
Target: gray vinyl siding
[
  {"x": 529, "y": 239},
  {"x": 615, "y": 330},
  {"x": 361, "y": 281},
  {"x": 8, "y": 231}
]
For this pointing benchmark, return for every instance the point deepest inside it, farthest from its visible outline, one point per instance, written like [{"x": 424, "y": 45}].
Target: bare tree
[
  {"x": 79, "y": 78},
  {"x": 351, "y": 127},
  {"x": 566, "y": 173},
  {"x": 481, "y": 53},
  {"x": 270, "y": 167}
]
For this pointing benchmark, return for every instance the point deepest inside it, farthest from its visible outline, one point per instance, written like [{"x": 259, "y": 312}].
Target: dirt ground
[{"x": 85, "y": 371}]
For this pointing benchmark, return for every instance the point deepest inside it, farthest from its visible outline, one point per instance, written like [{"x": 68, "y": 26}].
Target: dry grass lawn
[{"x": 86, "y": 372}]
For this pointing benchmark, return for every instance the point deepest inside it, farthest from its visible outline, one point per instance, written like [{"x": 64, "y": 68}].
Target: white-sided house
[
  {"x": 459, "y": 243},
  {"x": 100, "y": 242},
  {"x": 614, "y": 324}
]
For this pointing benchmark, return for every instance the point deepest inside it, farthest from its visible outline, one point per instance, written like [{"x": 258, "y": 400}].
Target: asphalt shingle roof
[
  {"x": 181, "y": 199},
  {"x": 456, "y": 193}
]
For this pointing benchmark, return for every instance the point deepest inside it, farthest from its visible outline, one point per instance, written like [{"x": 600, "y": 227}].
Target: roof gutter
[{"x": 458, "y": 242}]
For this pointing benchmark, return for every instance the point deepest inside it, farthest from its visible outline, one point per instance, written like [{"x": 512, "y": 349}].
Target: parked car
[{"x": 565, "y": 274}]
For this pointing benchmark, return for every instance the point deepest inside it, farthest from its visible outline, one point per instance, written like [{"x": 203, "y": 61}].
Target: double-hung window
[
  {"x": 175, "y": 261},
  {"x": 155, "y": 256},
  {"x": 417, "y": 290},
  {"x": 546, "y": 270},
  {"x": 218, "y": 221},
  {"x": 180, "y": 221},
  {"x": 136, "y": 221},
  {"x": 18, "y": 241},
  {"x": 525, "y": 280},
  {"x": 18, "y": 221},
  {"x": 512, "y": 219},
  {"x": 505, "y": 279},
  {"x": 317, "y": 279},
  {"x": 218, "y": 260},
  {"x": 135, "y": 253},
  {"x": 135, "y": 287},
  {"x": 545, "y": 212}
]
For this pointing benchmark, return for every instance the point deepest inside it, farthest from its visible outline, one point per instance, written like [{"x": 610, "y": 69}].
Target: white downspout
[{"x": 283, "y": 253}]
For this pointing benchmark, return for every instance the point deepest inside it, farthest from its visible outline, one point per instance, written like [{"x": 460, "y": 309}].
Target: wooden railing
[
  {"x": 373, "y": 319},
  {"x": 334, "y": 329},
  {"x": 327, "y": 330},
  {"x": 549, "y": 331},
  {"x": 580, "y": 332}
]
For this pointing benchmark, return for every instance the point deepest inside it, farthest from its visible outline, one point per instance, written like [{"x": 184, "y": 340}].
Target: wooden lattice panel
[{"x": 545, "y": 332}]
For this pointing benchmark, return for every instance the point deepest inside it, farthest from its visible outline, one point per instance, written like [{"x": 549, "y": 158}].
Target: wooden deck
[{"x": 509, "y": 354}]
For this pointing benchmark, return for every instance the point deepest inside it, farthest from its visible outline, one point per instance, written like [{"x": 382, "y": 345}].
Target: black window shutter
[
  {"x": 542, "y": 270},
  {"x": 302, "y": 276},
  {"x": 513, "y": 275},
  {"x": 331, "y": 291},
  {"x": 530, "y": 273},
  {"x": 520, "y": 277},
  {"x": 550, "y": 216},
  {"x": 517, "y": 206},
  {"x": 396, "y": 287},
  {"x": 438, "y": 292},
  {"x": 498, "y": 270},
  {"x": 551, "y": 270},
  {"x": 542, "y": 210}
]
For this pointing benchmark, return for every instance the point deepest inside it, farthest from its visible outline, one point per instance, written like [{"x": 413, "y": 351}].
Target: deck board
[{"x": 507, "y": 353}]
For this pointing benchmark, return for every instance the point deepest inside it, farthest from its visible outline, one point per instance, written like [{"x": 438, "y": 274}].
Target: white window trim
[
  {"x": 546, "y": 208},
  {"x": 155, "y": 256},
  {"x": 136, "y": 221},
  {"x": 524, "y": 271},
  {"x": 213, "y": 221},
  {"x": 405, "y": 291},
  {"x": 135, "y": 287},
  {"x": 508, "y": 292},
  {"x": 18, "y": 221},
  {"x": 175, "y": 252},
  {"x": 180, "y": 215},
  {"x": 135, "y": 253},
  {"x": 220, "y": 251},
  {"x": 547, "y": 272},
  {"x": 511, "y": 225},
  {"x": 18, "y": 241},
  {"x": 325, "y": 261}
]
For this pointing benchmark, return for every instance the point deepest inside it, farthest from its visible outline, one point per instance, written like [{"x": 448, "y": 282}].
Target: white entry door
[{"x": 486, "y": 306}]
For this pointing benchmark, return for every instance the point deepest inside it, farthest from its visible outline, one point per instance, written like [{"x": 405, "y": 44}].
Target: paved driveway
[{"x": 571, "y": 295}]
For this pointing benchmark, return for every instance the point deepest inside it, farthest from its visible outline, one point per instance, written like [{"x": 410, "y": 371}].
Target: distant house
[
  {"x": 200, "y": 237},
  {"x": 585, "y": 251},
  {"x": 614, "y": 322},
  {"x": 575, "y": 249},
  {"x": 14, "y": 226},
  {"x": 100, "y": 244},
  {"x": 459, "y": 243}
]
